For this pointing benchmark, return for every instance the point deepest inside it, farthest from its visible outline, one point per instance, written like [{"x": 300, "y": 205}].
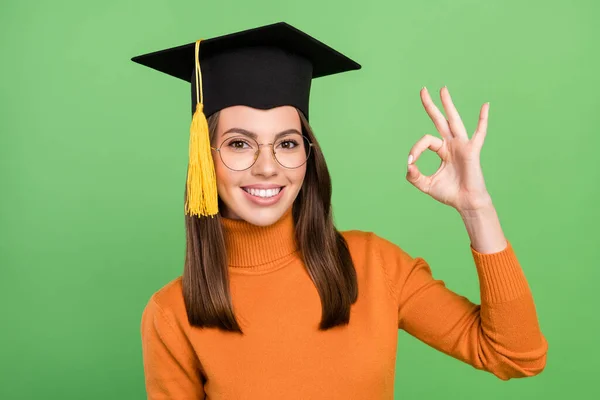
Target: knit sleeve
[
  {"x": 501, "y": 335},
  {"x": 171, "y": 367}
]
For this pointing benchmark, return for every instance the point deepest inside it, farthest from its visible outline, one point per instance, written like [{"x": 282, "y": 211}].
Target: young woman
[{"x": 274, "y": 302}]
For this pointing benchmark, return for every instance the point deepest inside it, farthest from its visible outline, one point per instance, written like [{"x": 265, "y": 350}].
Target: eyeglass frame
[{"x": 257, "y": 153}]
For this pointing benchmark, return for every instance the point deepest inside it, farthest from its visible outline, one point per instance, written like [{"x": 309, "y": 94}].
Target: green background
[{"x": 93, "y": 157}]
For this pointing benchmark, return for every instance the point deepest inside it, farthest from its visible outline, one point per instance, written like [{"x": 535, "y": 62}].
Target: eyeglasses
[{"x": 241, "y": 152}]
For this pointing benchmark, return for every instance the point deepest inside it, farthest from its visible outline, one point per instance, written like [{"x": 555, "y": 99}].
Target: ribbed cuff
[{"x": 501, "y": 277}]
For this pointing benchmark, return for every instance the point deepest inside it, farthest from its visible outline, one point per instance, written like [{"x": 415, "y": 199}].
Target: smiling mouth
[{"x": 263, "y": 193}]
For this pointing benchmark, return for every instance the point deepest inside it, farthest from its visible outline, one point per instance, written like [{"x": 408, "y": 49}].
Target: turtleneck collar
[{"x": 251, "y": 245}]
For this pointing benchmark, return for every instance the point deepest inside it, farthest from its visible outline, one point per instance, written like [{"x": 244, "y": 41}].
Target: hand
[{"x": 458, "y": 182}]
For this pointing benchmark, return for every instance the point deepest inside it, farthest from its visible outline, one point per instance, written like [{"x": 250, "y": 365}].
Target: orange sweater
[{"x": 282, "y": 355}]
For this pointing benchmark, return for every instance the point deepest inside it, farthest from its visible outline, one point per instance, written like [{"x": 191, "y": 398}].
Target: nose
[{"x": 265, "y": 164}]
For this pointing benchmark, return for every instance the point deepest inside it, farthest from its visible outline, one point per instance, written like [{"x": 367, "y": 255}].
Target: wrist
[
  {"x": 484, "y": 229},
  {"x": 477, "y": 208}
]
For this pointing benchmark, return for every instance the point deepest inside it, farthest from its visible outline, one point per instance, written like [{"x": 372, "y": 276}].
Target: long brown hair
[{"x": 323, "y": 249}]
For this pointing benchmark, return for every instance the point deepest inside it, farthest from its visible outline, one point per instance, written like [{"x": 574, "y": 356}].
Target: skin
[
  {"x": 266, "y": 124},
  {"x": 459, "y": 181}
]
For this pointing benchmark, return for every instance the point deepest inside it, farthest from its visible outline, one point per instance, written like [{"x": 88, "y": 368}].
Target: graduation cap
[{"x": 264, "y": 67}]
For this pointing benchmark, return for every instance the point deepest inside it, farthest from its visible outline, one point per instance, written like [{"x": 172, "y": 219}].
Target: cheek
[
  {"x": 224, "y": 177},
  {"x": 297, "y": 176}
]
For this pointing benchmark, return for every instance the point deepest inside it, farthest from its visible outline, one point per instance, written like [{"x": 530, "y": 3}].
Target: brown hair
[{"x": 323, "y": 249}]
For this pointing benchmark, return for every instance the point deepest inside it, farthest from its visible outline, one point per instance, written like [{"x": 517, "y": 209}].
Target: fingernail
[{"x": 410, "y": 158}]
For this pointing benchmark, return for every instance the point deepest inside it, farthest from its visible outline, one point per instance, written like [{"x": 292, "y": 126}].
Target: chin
[{"x": 263, "y": 218}]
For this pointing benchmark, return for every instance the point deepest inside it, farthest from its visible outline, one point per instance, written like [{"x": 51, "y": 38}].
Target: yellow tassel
[{"x": 201, "y": 179}]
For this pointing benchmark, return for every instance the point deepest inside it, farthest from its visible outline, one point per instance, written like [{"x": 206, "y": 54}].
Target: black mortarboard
[{"x": 263, "y": 68}]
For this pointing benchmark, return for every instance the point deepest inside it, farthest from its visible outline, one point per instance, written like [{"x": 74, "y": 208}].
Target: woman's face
[{"x": 239, "y": 190}]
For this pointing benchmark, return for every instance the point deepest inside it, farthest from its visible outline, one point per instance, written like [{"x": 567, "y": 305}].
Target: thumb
[{"x": 414, "y": 176}]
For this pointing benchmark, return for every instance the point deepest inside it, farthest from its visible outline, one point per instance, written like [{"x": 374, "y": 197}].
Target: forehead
[{"x": 265, "y": 123}]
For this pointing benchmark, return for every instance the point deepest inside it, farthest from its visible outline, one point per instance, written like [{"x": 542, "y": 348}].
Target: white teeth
[{"x": 266, "y": 193}]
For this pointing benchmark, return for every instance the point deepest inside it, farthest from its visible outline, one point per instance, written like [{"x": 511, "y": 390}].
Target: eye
[
  {"x": 238, "y": 144},
  {"x": 288, "y": 144}
]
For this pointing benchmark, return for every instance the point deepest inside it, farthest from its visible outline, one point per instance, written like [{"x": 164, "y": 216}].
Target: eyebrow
[{"x": 255, "y": 136}]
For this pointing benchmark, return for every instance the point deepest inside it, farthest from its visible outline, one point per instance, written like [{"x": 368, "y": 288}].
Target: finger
[
  {"x": 440, "y": 122},
  {"x": 420, "y": 181},
  {"x": 426, "y": 142},
  {"x": 456, "y": 124},
  {"x": 481, "y": 131}
]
